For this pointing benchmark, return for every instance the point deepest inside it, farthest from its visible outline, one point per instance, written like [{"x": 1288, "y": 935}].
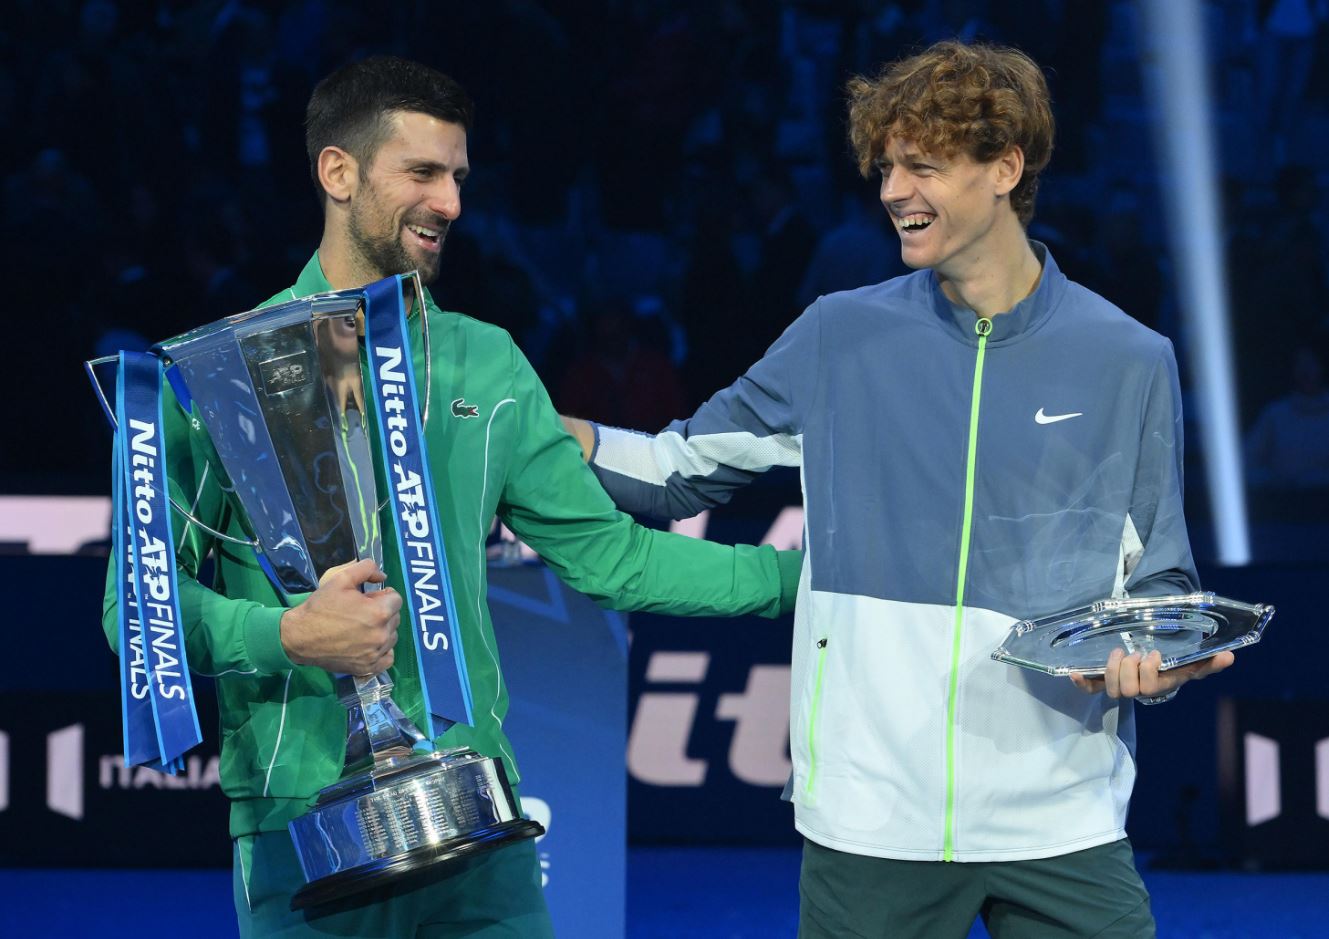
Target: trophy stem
[{"x": 376, "y": 728}]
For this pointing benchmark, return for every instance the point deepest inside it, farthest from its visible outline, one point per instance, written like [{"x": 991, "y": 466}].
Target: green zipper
[
  {"x": 982, "y": 327},
  {"x": 812, "y": 718}
]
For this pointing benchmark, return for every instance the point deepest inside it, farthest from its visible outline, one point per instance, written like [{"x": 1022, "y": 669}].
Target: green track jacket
[{"x": 283, "y": 733}]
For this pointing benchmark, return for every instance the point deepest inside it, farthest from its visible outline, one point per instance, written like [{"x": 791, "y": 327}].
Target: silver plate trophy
[
  {"x": 1182, "y": 628},
  {"x": 282, "y": 398}
]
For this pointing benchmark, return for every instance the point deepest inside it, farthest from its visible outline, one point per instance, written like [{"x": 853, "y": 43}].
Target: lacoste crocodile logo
[
  {"x": 463, "y": 410},
  {"x": 1041, "y": 418}
]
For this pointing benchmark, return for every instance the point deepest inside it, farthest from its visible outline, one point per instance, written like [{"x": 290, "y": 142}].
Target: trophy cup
[
  {"x": 1182, "y": 629},
  {"x": 281, "y": 394}
]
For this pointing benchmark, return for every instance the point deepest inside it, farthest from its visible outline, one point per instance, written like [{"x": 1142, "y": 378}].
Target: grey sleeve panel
[
  {"x": 740, "y": 433},
  {"x": 1165, "y": 566}
]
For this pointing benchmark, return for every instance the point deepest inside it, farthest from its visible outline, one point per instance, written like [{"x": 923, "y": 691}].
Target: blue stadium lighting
[{"x": 1174, "y": 61}]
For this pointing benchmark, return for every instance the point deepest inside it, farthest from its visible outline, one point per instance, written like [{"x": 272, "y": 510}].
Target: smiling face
[
  {"x": 952, "y": 212},
  {"x": 408, "y": 196}
]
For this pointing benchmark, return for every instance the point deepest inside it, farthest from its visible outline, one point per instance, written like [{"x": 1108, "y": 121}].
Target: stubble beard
[{"x": 385, "y": 255}]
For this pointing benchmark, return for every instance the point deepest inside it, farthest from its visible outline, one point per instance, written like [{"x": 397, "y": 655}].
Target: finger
[
  {"x": 387, "y": 603},
  {"x": 1112, "y": 674},
  {"x": 1151, "y": 682},
  {"x": 382, "y": 635},
  {"x": 1213, "y": 665},
  {"x": 353, "y": 573},
  {"x": 1130, "y": 676},
  {"x": 388, "y": 600},
  {"x": 372, "y": 663},
  {"x": 1085, "y": 683},
  {"x": 334, "y": 571},
  {"x": 388, "y": 645},
  {"x": 1204, "y": 668},
  {"x": 367, "y": 571},
  {"x": 377, "y": 575}
]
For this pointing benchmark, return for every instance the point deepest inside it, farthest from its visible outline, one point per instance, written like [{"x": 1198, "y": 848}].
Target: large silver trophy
[
  {"x": 282, "y": 397},
  {"x": 1182, "y": 629}
]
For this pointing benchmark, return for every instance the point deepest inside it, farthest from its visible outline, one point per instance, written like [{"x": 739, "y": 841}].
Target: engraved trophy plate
[
  {"x": 281, "y": 394},
  {"x": 1182, "y": 628}
]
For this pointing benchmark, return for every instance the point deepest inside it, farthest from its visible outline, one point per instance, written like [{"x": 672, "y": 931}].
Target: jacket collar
[
  {"x": 312, "y": 280},
  {"x": 1025, "y": 316}
]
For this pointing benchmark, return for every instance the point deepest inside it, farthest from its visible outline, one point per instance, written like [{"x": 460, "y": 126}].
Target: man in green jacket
[{"x": 387, "y": 145}]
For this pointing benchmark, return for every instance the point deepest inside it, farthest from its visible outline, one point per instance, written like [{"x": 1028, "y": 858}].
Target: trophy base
[
  {"x": 393, "y": 869},
  {"x": 409, "y": 813}
]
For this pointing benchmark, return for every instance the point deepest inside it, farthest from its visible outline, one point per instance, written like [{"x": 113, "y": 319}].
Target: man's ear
[
  {"x": 338, "y": 173},
  {"x": 1009, "y": 168}
]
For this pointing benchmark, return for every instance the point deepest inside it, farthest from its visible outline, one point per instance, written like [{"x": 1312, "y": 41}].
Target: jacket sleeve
[
  {"x": 552, "y": 501},
  {"x": 1164, "y": 565},
  {"x": 741, "y": 432},
  {"x": 221, "y": 634}
]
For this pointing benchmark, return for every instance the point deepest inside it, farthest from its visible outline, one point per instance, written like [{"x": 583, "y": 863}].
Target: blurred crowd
[{"x": 658, "y": 189}]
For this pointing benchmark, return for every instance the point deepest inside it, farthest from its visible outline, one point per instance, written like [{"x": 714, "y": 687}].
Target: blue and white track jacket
[{"x": 953, "y": 483}]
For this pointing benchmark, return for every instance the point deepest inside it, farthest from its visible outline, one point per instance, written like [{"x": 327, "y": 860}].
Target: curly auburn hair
[{"x": 979, "y": 100}]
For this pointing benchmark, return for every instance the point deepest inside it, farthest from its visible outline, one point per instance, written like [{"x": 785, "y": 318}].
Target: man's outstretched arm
[
  {"x": 740, "y": 433},
  {"x": 583, "y": 432},
  {"x": 555, "y": 505}
]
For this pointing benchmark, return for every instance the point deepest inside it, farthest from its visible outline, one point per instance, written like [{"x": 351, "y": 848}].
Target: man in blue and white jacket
[{"x": 981, "y": 441}]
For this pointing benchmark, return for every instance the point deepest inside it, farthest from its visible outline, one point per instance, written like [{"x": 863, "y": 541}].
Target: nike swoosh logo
[{"x": 1042, "y": 418}]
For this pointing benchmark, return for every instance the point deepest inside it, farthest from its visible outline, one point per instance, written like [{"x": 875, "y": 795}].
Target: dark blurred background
[{"x": 658, "y": 190}]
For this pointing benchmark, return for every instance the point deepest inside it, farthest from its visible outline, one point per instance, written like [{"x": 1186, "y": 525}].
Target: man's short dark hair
[{"x": 353, "y": 106}]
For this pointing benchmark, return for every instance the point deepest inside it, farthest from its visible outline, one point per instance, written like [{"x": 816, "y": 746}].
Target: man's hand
[
  {"x": 340, "y": 629},
  {"x": 1133, "y": 676},
  {"x": 581, "y": 431}
]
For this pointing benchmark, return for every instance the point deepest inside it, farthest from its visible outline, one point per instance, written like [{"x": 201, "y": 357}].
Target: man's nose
[
  {"x": 445, "y": 199},
  {"x": 894, "y": 186}
]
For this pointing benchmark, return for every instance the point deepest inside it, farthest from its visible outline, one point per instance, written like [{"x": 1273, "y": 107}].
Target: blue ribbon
[
  {"x": 152, "y": 649},
  {"x": 139, "y": 726},
  {"x": 429, "y": 601}
]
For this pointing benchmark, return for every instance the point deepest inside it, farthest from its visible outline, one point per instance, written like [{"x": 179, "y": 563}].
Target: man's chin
[
  {"x": 427, "y": 264},
  {"x": 427, "y": 269}
]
